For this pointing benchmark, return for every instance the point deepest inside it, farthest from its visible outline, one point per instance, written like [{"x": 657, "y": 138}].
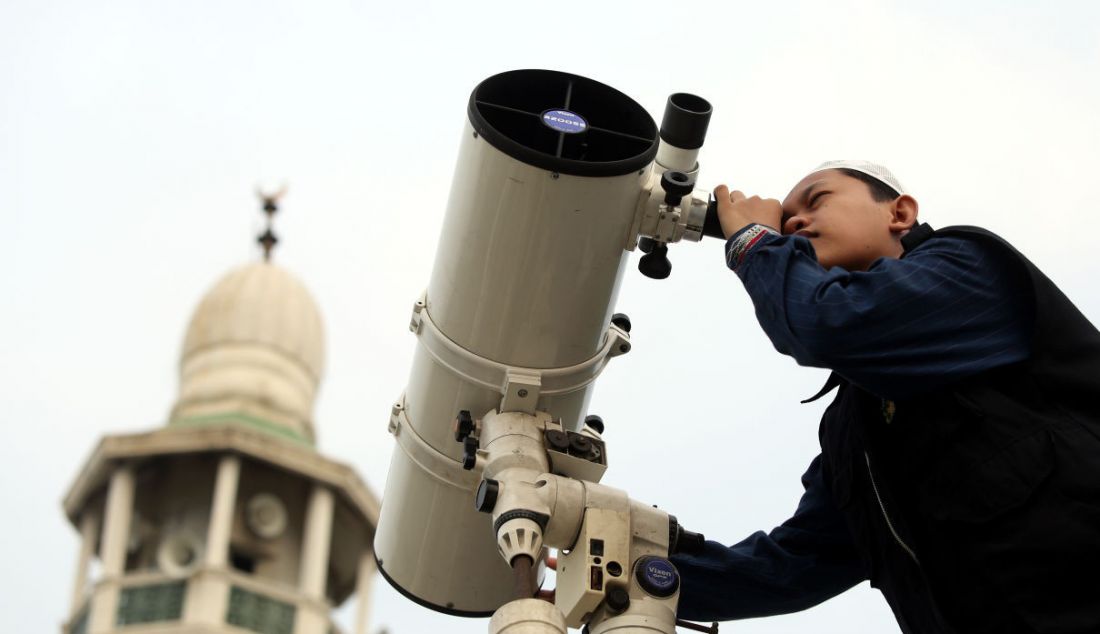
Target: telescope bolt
[
  {"x": 622, "y": 321},
  {"x": 655, "y": 264},
  {"x": 618, "y": 600},
  {"x": 469, "y": 453},
  {"x": 486, "y": 498},
  {"x": 464, "y": 425},
  {"x": 594, "y": 421}
]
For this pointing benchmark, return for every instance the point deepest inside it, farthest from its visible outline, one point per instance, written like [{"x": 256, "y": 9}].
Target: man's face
[{"x": 845, "y": 224}]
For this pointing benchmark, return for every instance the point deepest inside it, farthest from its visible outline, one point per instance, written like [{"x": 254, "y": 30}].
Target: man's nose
[{"x": 793, "y": 224}]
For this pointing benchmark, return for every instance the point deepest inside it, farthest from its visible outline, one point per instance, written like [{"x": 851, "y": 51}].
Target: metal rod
[
  {"x": 698, "y": 627},
  {"x": 523, "y": 568}
]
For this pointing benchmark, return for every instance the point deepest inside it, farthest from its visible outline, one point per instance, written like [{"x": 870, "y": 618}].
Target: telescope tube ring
[{"x": 494, "y": 375}]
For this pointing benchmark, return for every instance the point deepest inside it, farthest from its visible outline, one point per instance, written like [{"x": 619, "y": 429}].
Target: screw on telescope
[
  {"x": 464, "y": 425},
  {"x": 487, "y": 492},
  {"x": 618, "y": 600},
  {"x": 469, "y": 453},
  {"x": 622, "y": 321},
  {"x": 595, "y": 422}
]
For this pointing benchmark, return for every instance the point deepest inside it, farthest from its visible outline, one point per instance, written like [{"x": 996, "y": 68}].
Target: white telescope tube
[{"x": 516, "y": 315}]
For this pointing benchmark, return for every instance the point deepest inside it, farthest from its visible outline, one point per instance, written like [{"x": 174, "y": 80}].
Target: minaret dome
[{"x": 253, "y": 352}]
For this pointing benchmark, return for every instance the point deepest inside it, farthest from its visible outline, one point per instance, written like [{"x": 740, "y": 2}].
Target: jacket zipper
[{"x": 885, "y": 516}]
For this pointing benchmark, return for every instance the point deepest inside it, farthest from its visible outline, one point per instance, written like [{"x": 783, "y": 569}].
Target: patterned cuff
[{"x": 740, "y": 244}]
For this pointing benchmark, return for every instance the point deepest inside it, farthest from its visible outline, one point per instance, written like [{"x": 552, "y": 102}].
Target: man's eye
[{"x": 817, "y": 198}]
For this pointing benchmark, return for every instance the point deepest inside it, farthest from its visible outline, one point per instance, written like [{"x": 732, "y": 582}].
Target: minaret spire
[{"x": 269, "y": 203}]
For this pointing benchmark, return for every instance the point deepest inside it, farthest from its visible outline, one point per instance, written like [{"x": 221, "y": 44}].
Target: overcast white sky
[{"x": 132, "y": 134}]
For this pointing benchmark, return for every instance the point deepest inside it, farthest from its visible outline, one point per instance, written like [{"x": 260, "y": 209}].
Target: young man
[{"x": 960, "y": 458}]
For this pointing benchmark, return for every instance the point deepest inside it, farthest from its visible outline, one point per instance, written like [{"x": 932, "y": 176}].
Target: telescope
[{"x": 558, "y": 179}]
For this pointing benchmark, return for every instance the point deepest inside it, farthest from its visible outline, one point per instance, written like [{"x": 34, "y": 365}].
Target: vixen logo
[{"x": 564, "y": 121}]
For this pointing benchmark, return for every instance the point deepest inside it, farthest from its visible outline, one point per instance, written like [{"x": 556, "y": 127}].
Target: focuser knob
[
  {"x": 676, "y": 186},
  {"x": 655, "y": 264}
]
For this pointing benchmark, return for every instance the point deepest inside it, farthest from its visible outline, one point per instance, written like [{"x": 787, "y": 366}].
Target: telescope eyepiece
[{"x": 685, "y": 122}]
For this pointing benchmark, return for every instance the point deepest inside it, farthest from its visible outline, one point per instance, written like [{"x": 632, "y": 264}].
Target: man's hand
[{"x": 736, "y": 211}]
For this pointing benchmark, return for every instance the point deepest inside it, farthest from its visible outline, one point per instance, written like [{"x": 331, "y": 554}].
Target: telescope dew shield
[{"x": 529, "y": 262}]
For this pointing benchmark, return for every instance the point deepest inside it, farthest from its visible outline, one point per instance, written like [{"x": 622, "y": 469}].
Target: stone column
[
  {"x": 222, "y": 512},
  {"x": 208, "y": 592},
  {"x": 316, "y": 541},
  {"x": 89, "y": 532},
  {"x": 117, "y": 516},
  {"x": 363, "y": 583},
  {"x": 314, "y": 564}
]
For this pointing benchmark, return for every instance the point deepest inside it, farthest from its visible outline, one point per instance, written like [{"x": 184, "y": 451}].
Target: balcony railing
[
  {"x": 259, "y": 613},
  {"x": 151, "y": 603}
]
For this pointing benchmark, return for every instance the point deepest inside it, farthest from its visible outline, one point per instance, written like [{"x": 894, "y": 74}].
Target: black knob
[
  {"x": 580, "y": 446},
  {"x": 595, "y": 422},
  {"x": 486, "y": 498},
  {"x": 684, "y": 541},
  {"x": 692, "y": 543},
  {"x": 645, "y": 245},
  {"x": 557, "y": 440},
  {"x": 618, "y": 600},
  {"x": 676, "y": 186},
  {"x": 621, "y": 320},
  {"x": 464, "y": 425},
  {"x": 655, "y": 264},
  {"x": 469, "y": 453}
]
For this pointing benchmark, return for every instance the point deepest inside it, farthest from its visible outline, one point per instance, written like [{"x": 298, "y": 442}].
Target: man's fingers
[
  {"x": 722, "y": 194},
  {"x": 736, "y": 196}
]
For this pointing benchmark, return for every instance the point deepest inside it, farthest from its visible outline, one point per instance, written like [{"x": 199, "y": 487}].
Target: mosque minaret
[{"x": 227, "y": 519}]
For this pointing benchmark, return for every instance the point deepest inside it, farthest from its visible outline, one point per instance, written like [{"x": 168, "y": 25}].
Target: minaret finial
[{"x": 270, "y": 204}]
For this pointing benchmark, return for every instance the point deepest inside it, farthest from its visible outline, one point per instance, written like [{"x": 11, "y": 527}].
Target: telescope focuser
[{"x": 655, "y": 263}]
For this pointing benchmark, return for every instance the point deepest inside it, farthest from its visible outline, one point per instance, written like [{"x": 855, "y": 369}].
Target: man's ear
[{"x": 903, "y": 214}]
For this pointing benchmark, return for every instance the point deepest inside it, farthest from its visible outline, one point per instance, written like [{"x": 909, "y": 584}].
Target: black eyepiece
[{"x": 685, "y": 122}]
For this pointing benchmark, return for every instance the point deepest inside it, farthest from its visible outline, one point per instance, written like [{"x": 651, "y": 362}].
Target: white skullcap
[{"x": 874, "y": 170}]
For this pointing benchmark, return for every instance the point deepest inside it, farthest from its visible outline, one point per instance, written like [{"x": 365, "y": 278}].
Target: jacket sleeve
[
  {"x": 950, "y": 309},
  {"x": 804, "y": 561}
]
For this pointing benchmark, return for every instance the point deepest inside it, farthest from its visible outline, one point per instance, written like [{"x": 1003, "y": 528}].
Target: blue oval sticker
[
  {"x": 564, "y": 121},
  {"x": 660, "y": 573}
]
